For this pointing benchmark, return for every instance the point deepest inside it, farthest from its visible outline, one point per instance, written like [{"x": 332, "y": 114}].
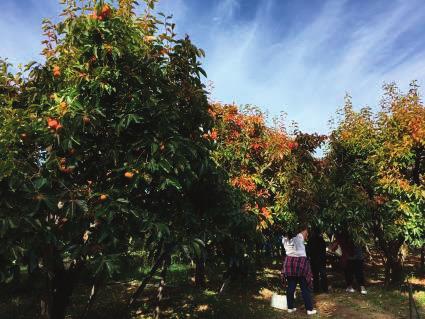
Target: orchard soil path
[
  {"x": 245, "y": 299},
  {"x": 250, "y": 298}
]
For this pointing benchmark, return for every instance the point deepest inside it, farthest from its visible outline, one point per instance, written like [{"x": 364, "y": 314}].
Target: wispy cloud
[
  {"x": 308, "y": 71},
  {"x": 225, "y": 10},
  {"x": 300, "y": 56}
]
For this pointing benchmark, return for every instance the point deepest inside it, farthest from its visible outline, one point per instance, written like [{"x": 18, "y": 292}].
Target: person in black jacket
[
  {"x": 351, "y": 261},
  {"x": 316, "y": 251}
]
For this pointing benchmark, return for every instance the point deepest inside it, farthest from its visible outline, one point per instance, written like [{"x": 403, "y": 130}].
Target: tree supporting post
[
  {"x": 93, "y": 292},
  {"x": 166, "y": 264}
]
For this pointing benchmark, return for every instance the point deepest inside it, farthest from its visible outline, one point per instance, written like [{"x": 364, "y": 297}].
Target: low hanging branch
[{"x": 153, "y": 270}]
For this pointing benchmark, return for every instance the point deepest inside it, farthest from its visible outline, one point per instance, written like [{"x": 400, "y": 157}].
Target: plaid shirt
[{"x": 298, "y": 267}]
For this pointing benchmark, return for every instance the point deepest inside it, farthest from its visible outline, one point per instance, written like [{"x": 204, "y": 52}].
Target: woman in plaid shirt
[{"x": 297, "y": 270}]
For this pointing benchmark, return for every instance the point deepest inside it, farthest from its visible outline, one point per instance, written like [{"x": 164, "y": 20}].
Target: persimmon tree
[
  {"x": 101, "y": 150},
  {"x": 272, "y": 169},
  {"x": 250, "y": 152},
  {"x": 377, "y": 174},
  {"x": 306, "y": 175}
]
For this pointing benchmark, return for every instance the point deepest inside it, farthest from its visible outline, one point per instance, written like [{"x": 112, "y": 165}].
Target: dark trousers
[
  {"x": 320, "y": 279},
  {"x": 305, "y": 291},
  {"x": 354, "y": 268}
]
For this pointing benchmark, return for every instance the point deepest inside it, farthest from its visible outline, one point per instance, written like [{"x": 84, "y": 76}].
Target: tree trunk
[
  {"x": 200, "y": 272},
  {"x": 60, "y": 285},
  {"x": 422, "y": 266},
  {"x": 394, "y": 273},
  {"x": 394, "y": 263},
  {"x": 393, "y": 256}
]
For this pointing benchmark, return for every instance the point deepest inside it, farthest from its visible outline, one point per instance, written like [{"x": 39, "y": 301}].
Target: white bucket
[{"x": 279, "y": 302}]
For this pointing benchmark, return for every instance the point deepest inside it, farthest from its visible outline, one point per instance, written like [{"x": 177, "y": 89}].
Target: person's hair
[
  {"x": 302, "y": 227},
  {"x": 291, "y": 232}
]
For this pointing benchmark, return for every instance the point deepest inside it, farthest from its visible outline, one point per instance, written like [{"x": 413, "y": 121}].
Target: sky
[{"x": 300, "y": 57}]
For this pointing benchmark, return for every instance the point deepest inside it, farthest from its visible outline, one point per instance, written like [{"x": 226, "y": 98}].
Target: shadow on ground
[{"x": 245, "y": 299}]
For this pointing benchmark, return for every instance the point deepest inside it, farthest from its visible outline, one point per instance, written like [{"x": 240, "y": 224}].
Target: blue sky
[{"x": 296, "y": 56}]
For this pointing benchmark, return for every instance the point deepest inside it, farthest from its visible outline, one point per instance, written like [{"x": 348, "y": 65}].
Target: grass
[{"x": 249, "y": 298}]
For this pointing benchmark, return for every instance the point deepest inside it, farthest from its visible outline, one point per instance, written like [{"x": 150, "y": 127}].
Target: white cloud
[
  {"x": 307, "y": 73},
  {"x": 304, "y": 70}
]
